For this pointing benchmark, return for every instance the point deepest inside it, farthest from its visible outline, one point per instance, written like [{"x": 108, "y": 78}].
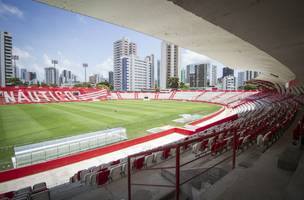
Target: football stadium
[
  {"x": 134, "y": 137},
  {"x": 42, "y": 122}
]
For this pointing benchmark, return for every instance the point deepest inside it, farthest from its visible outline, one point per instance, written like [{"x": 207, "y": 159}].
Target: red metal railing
[{"x": 178, "y": 163}]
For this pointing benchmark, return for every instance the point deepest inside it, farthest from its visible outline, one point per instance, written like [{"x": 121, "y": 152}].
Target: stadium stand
[
  {"x": 127, "y": 95},
  {"x": 37, "y": 192},
  {"x": 149, "y": 95},
  {"x": 164, "y": 95},
  {"x": 186, "y": 95},
  {"x": 27, "y": 95},
  {"x": 260, "y": 119},
  {"x": 260, "y": 124}
]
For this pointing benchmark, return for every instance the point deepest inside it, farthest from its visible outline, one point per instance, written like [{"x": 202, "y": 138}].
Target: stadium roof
[{"x": 266, "y": 36}]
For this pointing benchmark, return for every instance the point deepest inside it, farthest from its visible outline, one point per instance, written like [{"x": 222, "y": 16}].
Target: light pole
[
  {"x": 15, "y": 57},
  {"x": 55, "y": 62},
  {"x": 85, "y": 65},
  {"x": 56, "y": 75}
]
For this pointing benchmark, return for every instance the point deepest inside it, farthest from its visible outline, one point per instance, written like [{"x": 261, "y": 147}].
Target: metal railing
[{"x": 178, "y": 163}]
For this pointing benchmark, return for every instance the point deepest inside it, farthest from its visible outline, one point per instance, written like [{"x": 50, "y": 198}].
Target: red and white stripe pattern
[{"x": 93, "y": 95}]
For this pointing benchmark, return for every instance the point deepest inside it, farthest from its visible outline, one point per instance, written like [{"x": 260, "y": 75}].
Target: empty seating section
[
  {"x": 185, "y": 95},
  {"x": 261, "y": 122},
  {"x": 209, "y": 95},
  {"x": 37, "y": 192},
  {"x": 165, "y": 95},
  {"x": 127, "y": 95},
  {"x": 113, "y": 95},
  {"x": 142, "y": 95},
  {"x": 23, "y": 95}
]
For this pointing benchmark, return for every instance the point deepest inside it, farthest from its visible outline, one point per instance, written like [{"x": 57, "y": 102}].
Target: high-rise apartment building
[
  {"x": 16, "y": 72},
  {"x": 158, "y": 73},
  {"x": 183, "y": 76},
  {"x": 213, "y": 75},
  {"x": 51, "y": 76},
  {"x": 136, "y": 73},
  {"x": 229, "y": 82},
  {"x": 170, "y": 63},
  {"x": 96, "y": 78},
  {"x": 111, "y": 81},
  {"x": 245, "y": 76},
  {"x": 228, "y": 71},
  {"x": 23, "y": 73},
  {"x": 31, "y": 77},
  {"x": 250, "y": 75},
  {"x": 66, "y": 78},
  {"x": 6, "y": 66},
  {"x": 150, "y": 59},
  {"x": 132, "y": 48},
  {"x": 196, "y": 75},
  {"x": 241, "y": 79},
  {"x": 121, "y": 48}
]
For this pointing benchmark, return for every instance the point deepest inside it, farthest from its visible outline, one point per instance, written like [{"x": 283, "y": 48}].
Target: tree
[
  {"x": 183, "y": 86},
  {"x": 102, "y": 86},
  {"x": 173, "y": 82},
  {"x": 15, "y": 81},
  {"x": 44, "y": 84},
  {"x": 250, "y": 87},
  {"x": 105, "y": 85},
  {"x": 87, "y": 85}
]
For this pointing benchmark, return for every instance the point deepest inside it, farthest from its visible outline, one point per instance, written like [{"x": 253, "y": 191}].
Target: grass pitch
[{"x": 31, "y": 123}]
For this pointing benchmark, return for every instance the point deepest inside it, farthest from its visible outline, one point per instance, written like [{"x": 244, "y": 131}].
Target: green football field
[{"x": 25, "y": 124}]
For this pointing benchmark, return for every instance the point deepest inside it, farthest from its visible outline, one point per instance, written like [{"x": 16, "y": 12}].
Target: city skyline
[{"x": 40, "y": 33}]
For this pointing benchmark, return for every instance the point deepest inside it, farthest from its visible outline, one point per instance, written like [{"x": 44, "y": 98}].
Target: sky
[{"x": 42, "y": 33}]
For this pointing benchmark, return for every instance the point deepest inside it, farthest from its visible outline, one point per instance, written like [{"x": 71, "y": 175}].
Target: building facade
[
  {"x": 183, "y": 76},
  {"x": 51, "y": 76},
  {"x": 16, "y": 72},
  {"x": 67, "y": 78},
  {"x": 241, "y": 79},
  {"x": 228, "y": 71},
  {"x": 158, "y": 73},
  {"x": 136, "y": 73},
  {"x": 170, "y": 63},
  {"x": 150, "y": 59},
  {"x": 245, "y": 76},
  {"x": 111, "y": 80},
  {"x": 96, "y": 78},
  {"x": 32, "y": 77},
  {"x": 6, "y": 66},
  {"x": 121, "y": 48},
  {"x": 250, "y": 75},
  {"x": 213, "y": 76},
  {"x": 229, "y": 82},
  {"x": 196, "y": 75},
  {"x": 23, "y": 73}
]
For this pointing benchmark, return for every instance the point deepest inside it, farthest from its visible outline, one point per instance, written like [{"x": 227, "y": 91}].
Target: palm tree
[{"x": 173, "y": 82}]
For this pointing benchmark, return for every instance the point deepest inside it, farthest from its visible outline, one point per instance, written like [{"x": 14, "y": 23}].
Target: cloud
[
  {"x": 6, "y": 9},
  {"x": 46, "y": 60},
  {"x": 30, "y": 62},
  {"x": 23, "y": 54},
  {"x": 104, "y": 67},
  {"x": 190, "y": 57}
]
